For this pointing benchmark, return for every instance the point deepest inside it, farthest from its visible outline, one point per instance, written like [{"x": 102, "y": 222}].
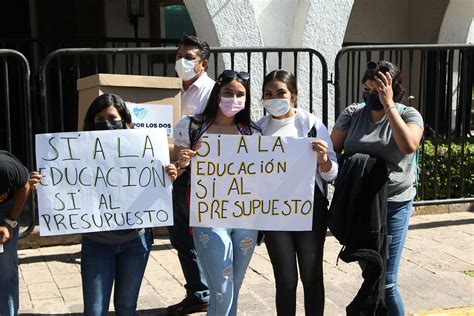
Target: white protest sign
[
  {"x": 255, "y": 182},
  {"x": 152, "y": 116},
  {"x": 103, "y": 180}
]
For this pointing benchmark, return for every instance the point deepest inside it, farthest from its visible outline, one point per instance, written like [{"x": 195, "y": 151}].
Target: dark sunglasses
[
  {"x": 373, "y": 68},
  {"x": 231, "y": 74}
]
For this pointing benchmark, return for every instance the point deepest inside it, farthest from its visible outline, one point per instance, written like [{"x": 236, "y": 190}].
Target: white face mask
[
  {"x": 185, "y": 69},
  {"x": 277, "y": 107}
]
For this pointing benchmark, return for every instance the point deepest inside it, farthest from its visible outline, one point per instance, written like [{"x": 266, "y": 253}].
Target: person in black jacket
[{"x": 357, "y": 218}]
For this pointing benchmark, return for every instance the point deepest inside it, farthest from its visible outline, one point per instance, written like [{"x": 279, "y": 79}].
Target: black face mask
[
  {"x": 108, "y": 125},
  {"x": 372, "y": 101}
]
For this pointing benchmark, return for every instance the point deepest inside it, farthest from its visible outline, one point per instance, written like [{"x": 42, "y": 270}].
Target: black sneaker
[{"x": 189, "y": 305}]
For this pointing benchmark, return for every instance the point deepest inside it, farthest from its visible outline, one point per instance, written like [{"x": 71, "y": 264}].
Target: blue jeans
[
  {"x": 225, "y": 255},
  {"x": 398, "y": 217},
  {"x": 9, "y": 269},
  {"x": 183, "y": 242},
  {"x": 102, "y": 264}
]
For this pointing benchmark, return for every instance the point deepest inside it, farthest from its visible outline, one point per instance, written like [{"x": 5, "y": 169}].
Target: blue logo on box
[{"x": 140, "y": 113}]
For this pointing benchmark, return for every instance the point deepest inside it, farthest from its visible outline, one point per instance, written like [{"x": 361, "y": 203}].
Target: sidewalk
[{"x": 438, "y": 252}]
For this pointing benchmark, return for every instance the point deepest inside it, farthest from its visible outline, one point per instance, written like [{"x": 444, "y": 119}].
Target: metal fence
[
  {"x": 62, "y": 68},
  {"x": 32, "y": 48},
  {"x": 439, "y": 82},
  {"x": 438, "y": 79},
  {"x": 34, "y": 51},
  {"x": 132, "y": 62},
  {"x": 15, "y": 115}
]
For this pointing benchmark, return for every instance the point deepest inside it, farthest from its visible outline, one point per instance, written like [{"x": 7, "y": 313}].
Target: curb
[
  {"x": 35, "y": 241},
  {"x": 460, "y": 311},
  {"x": 443, "y": 209}
]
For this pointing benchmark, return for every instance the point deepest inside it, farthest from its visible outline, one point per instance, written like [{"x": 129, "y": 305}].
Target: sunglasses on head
[
  {"x": 373, "y": 68},
  {"x": 231, "y": 74}
]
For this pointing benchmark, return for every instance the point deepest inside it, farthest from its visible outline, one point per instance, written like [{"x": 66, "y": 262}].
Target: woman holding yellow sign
[{"x": 224, "y": 253}]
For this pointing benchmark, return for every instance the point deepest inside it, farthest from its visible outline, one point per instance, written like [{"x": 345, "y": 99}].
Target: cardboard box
[{"x": 135, "y": 89}]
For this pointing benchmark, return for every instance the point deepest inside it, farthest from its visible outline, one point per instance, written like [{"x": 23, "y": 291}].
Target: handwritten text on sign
[
  {"x": 255, "y": 182},
  {"x": 103, "y": 180}
]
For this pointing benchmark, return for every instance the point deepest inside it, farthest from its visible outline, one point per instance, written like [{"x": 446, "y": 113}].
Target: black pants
[{"x": 284, "y": 248}]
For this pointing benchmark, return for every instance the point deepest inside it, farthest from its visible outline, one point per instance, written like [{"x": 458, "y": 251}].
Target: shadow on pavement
[
  {"x": 156, "y": 311},
  {"x": 71, "y": 257},
  {"x": 433, "y": 224},
  {"x": 442, "y": 223},
  {"x": 64, "y": 258},
  {"x": 39, "y": 314}
]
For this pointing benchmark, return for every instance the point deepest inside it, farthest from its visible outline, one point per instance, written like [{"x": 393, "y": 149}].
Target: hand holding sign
[
  {"x": 321, "y": 148},
  {"x": 35, "y": 179},
  {"x": 101, "y": 181},
  {"x": 184, "y": 157},
  {"x": 254, "y": 182},
  {"x": 172, "y": 171},
  {"x": 5, "y": 234}
]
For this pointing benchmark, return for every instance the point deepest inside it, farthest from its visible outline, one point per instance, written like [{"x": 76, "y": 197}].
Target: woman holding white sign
[
  {"x": 285, "y": 247},
  {"x": 119, "y": 256},
  {"x": 224, "y": 253}
]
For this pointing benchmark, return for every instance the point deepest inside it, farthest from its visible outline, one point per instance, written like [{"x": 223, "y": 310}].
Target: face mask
[
  {"x": 231, "y": 106},
  {"x": 277, "y": 107},
  {"x": 372, "y": 101},
  {"x": 185, "y": 69},
  {"x": 108, "y": 125}
]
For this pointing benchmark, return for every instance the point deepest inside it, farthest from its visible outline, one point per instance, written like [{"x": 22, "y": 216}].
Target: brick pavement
[{"x": 438, "y": 251}]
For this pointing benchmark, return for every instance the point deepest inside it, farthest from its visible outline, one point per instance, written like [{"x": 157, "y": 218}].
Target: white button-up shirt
[{"x": 194, "y": 99}]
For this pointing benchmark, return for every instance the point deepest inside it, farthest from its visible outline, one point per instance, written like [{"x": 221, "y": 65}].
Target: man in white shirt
[{"x": 192, "y": 58}]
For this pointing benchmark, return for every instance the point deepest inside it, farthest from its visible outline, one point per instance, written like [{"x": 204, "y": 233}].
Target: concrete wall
[
  {"x": 396, "y": 21},
  {"x": 275, "y": 19},
  {"x": 318, "y": 24},
  {"x": 274, "y": 23},
  {"x": 457, "y": 28},
  {"x": 324, "y": 30},
  {"x": 458, "y": 23}
]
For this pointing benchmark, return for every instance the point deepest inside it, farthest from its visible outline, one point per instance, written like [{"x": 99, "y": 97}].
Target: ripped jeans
[{"x": 225, "y": 254}]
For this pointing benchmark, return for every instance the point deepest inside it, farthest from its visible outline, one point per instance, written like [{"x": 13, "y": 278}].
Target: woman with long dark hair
[{"x": 224, "y": 253}]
